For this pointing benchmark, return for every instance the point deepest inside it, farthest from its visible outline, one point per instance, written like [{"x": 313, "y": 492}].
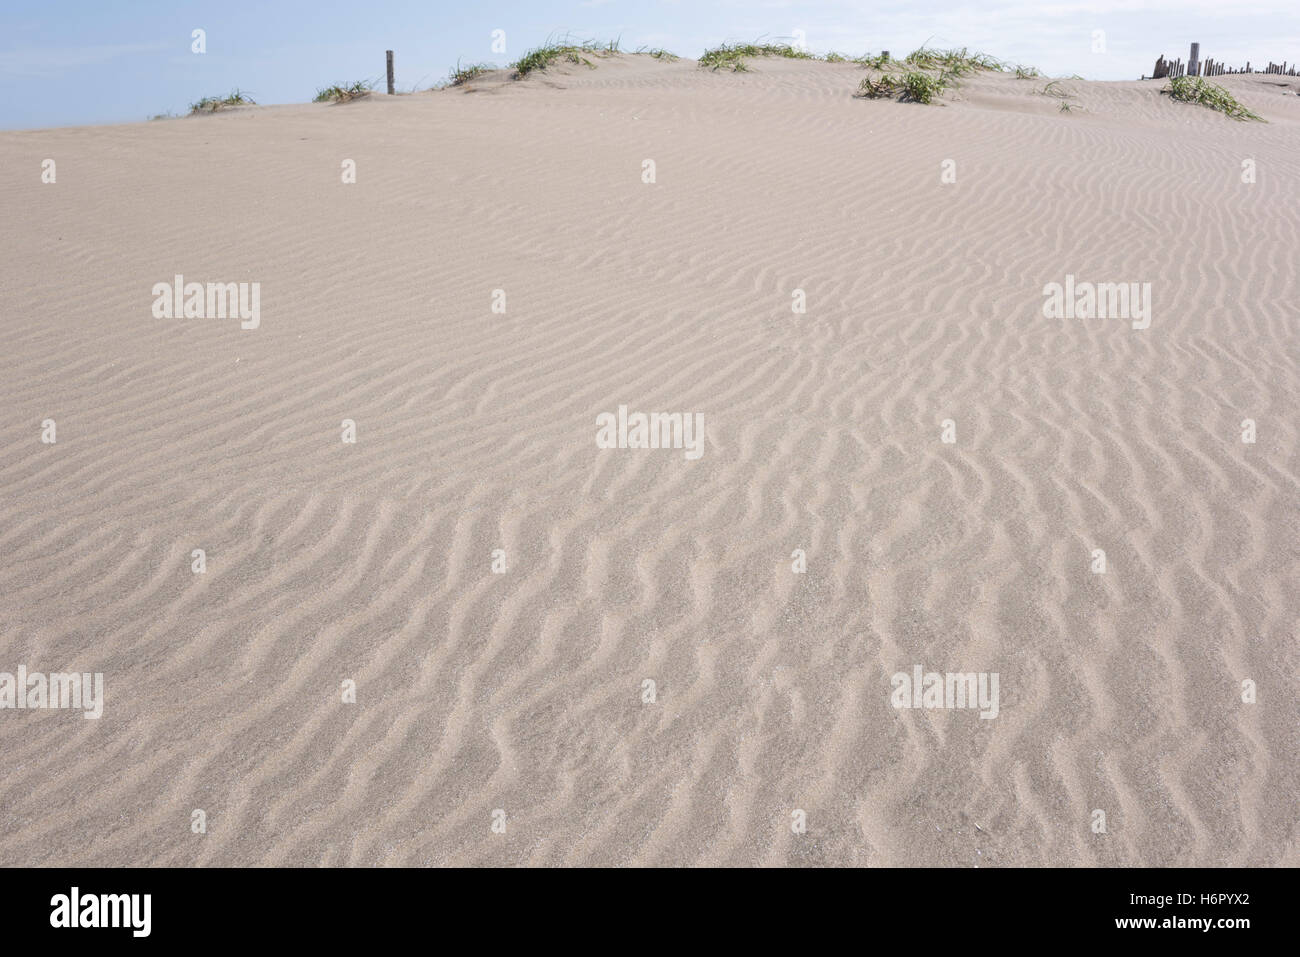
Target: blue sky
[{"x": 92, "y": 61}]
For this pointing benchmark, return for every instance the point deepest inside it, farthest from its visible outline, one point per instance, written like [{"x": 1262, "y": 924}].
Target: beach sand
[{"x": 523, "y": 691}]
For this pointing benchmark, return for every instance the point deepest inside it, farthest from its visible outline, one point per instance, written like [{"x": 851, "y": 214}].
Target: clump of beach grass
[
  {"x": 959, "y": 62},
  {"x": 919, "y": 87},
  {"x": 554, "y": 52},
  {"x": 925, "y": 73},
  {"x": 1194, "y": 89},
  {"x": 211, "y": 104},
  {"x": 1056, "y": 91},
  {"x": 880, "y": 61},
  {"x": 875, "y": 89},
  {"x": 659, "y": 53},
  {"x": 460, "y": 75},
  {"x": 1026, "y": 72},
  {"x": 732, "y": 56},
  {"x": 914, "y": 86},
  {"x": 342, "y": 93}
]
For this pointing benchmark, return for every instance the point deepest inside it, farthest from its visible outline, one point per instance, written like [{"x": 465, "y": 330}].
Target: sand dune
[{"x": 476, "y": 430}]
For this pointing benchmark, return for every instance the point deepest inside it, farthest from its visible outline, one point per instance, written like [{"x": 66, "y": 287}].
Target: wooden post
[
  {"x": 1192, "y": 65},
  {"x": 391, "y": 88},
  {"x": 885, "y": 55}
]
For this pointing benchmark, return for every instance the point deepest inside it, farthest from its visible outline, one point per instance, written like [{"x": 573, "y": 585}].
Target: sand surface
[{"x": 476, "y": 430}]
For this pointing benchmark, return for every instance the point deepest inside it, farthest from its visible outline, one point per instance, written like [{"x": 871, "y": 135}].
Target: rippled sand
[{"x": 523, "y": 691}]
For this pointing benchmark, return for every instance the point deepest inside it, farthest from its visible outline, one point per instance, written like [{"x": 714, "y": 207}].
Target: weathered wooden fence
[
  {"x": 1164, "y": 68},
  {"x": 1212, "y": 67}
]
